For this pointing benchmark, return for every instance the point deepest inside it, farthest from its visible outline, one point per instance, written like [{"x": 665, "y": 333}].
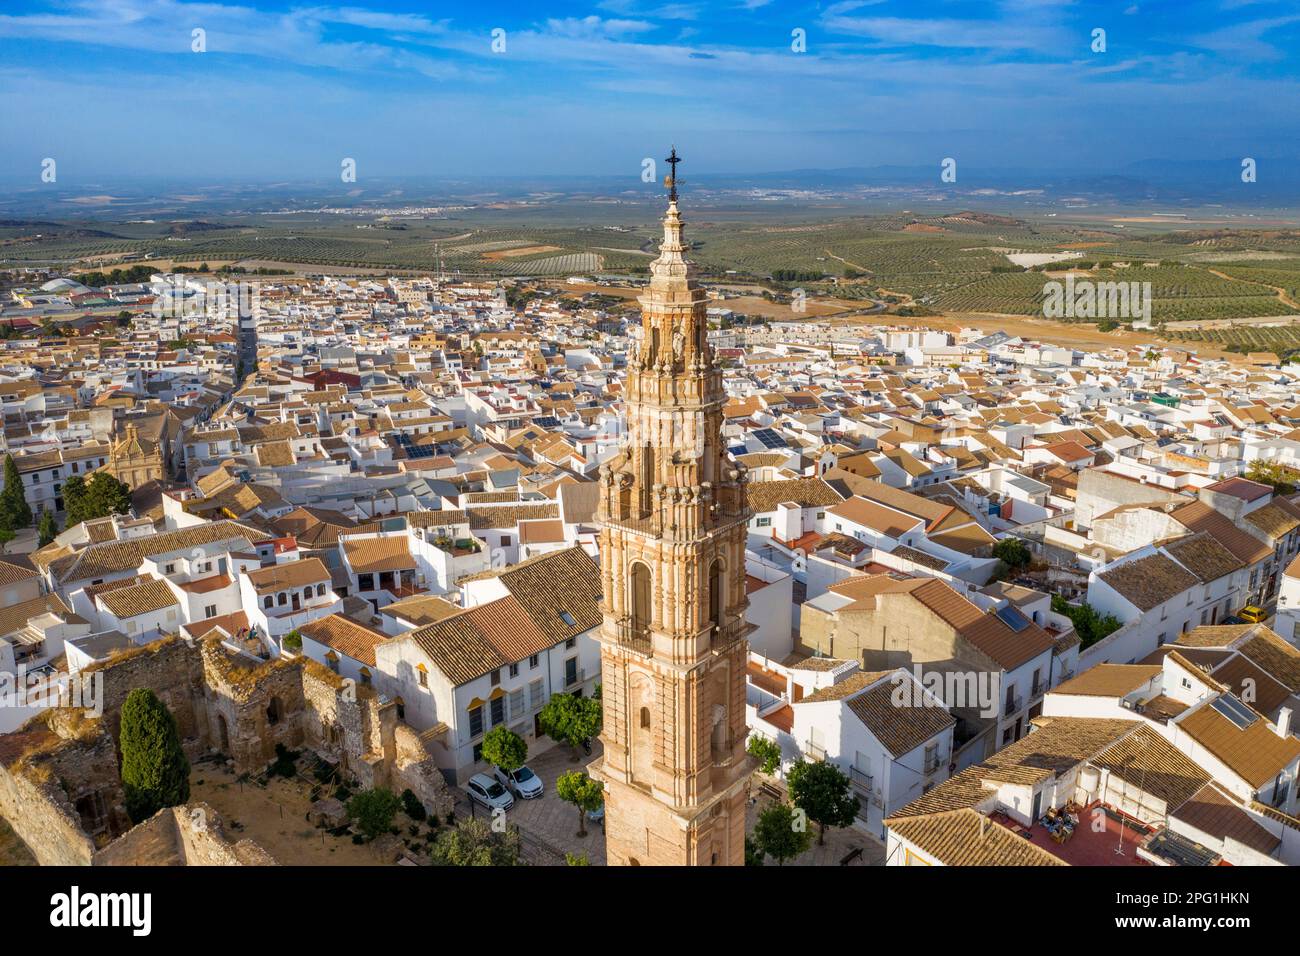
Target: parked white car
[
  {"x": 488, "y": 793},
  {"x": 521, "y": 781}
]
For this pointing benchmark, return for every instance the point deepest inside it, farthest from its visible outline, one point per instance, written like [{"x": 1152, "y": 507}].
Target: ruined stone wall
[
  {"x": 192, "y": 835},
  {"x": 44, "y": 819},
  {"x": 172, "y": 668},
  {"x": 203, "y": 840},
  {"x": 62, "y": 794},
  {"x": 251, "y": 709},
  {"x": 416, "y": 769}
]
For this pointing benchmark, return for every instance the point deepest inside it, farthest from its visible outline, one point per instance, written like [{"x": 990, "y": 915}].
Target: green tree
[
  {"x": 1271, "y": 473},
  {"x": 47, "y": 528},
  {"x": 577, "y": 788},
  {"x": 576, "y": 859},
  {"x": 768, "y": 753},
  {"x": 6, "y": 536},
  {"x": 107, "y": 495},
  {"x": 569, "y": 719},
  {"x": 15, "y": 512},
  {"x": 74, "y": 499},
  {"x": 1013, "y": 552},
  {"x": 475, "y": 843},
  {"x": 822, "y": 792},
  {"x": 504, "y": 748},
  {"x": 373, "y": 810},
  {"x": 781, "y": 833},
  {"x": 101, "y": 496},
  {"x": 753, "y": 855},
  {"x": 155, "y": 771},
  {"x": 1090, "y": 625}
]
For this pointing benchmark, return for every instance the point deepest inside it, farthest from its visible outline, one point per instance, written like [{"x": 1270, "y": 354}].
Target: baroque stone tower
[{"x": 673, "y": 519}]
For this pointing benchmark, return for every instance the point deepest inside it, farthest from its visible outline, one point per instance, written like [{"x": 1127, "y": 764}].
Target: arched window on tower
[
  {"x": 639, "y": 601},
  {"x": 716, "y": 585}
]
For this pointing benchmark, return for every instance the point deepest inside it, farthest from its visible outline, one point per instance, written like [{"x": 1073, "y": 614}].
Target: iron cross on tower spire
[{"x": 672, "y": 161}]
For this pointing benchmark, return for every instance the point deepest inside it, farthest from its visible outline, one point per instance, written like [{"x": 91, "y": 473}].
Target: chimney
[
  {"x": 1284, "y": 722},
  {"x": 984, "y": 825}
]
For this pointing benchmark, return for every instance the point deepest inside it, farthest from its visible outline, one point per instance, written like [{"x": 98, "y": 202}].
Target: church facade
[{"x": 673, "y": 517}]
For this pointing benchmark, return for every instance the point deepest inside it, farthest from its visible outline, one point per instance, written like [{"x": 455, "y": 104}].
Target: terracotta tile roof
[
  {"x": 1110, "y": 680},
  {"x": 466, "y": 646},
  {"x": 1274, "y": 655},
  {"x": 900, "y": 729},
  {"x": 853, "y": 684},
  {"x": 1057, "y": 745},
  {"x": 1149, "y": 582},
  {"x": 1213, "y": 635},
  {"x": 985, "y": 631},
  {"x": 422, "y": 609},
  {"x": 879, "y": 518},
  {"x": 968, "y": 838},
  {"x": 1145, "y": 760},
  {"x": 376, "y": 555},
  {"x": 1215, "y": 813},
  {"x": 1252, "y": 683},
  {"x": 556, "y": 588},
  {"x": 1199, "y": 516},
  {"x": 104, "y": 560},
  {"x": 149, "y": 595},
  {"x": 1204, "y": 557},
  {"x": 507, "y": 516},
  {"x": 289, "y": 575},
  {"x": 346, "y": 636},
  {"x": 15, "y": 568},
  {"x": 15, "y": 616},
  {"x": 764, "y": 496},
  {"x": 1256, "y": 754}
]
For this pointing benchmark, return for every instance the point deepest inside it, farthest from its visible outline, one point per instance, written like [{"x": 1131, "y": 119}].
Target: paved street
[
  {"x": 548, "y": 825},
  {"x": 839, "y": 842}
]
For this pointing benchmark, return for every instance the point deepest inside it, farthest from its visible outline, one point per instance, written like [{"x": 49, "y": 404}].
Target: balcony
[
  {"x": 932, "y": 765},
  {"x": 576, "y": 678},
  {"x": 1013, "y": 704},
  {"x": 815, "y": 751},
  {"x": 726, "y": 635},
  {"x": 863, "y": 781},
  {"x": 635, "y": 636}
]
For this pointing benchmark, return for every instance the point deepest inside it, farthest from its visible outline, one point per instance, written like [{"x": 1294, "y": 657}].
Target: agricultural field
[
  {"x": 957, "y": 263},
  {"x": 1281, "y": 340}
]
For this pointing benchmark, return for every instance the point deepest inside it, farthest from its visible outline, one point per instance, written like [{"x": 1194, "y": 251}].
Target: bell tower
[{"x": 673, "y": 519}]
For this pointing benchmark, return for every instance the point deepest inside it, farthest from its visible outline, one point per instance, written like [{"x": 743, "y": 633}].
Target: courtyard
[
  {"x": 548, "y": 826},
  {"x": 844, "y": 846}
]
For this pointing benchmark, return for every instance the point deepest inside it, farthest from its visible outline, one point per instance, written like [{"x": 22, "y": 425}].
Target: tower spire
[
  {"x": 673, "y": 516},
  {"x": 671, "y": 182}
]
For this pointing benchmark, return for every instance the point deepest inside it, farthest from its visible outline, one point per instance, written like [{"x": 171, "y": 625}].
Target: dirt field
[
  {"x": 274, "y": 817},
  {"x": 520, "y": 251}
]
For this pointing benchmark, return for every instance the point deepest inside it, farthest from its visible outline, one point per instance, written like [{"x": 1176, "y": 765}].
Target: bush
[
  {"x": 373, "y": 810},
  {"x": 412, "y": 805},
  {"x": 286, "y": 762}
]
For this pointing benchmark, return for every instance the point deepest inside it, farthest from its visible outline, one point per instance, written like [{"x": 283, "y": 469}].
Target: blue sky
[{"x": 111, "y": 88}]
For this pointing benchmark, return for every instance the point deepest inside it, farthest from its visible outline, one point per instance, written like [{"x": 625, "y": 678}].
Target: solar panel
[
  {"x": 1012, "y": 618},
  {"x": 1229, "y": 706},
  {"x": 770, "y": 438}
]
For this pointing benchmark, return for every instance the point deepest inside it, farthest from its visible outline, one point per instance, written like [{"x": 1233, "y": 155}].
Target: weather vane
[{"x": 671, "y": 179}]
